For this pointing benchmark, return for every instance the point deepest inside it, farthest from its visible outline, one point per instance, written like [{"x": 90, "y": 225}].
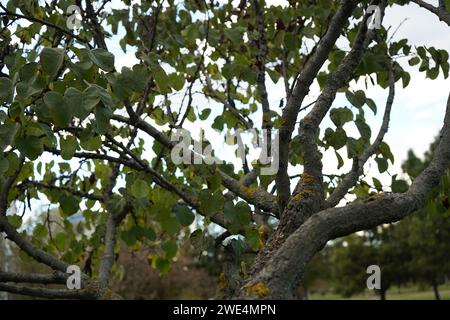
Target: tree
[
  {"x": 429, "y": 229},
  {"x": 77, "y": 133},
  {"x": 414, "y": 249},
  {"x": 350, "y": 258},
  {"x": 429, "y": 232},
  {"x": 386, "y": 247},
  {"x": 318, "y": 274}
]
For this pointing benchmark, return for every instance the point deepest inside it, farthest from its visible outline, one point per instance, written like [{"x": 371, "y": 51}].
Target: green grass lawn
[{"x": 392, "y": 294}]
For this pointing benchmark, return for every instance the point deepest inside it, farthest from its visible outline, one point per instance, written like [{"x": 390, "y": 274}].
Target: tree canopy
[{"x": 78, "y": 134}]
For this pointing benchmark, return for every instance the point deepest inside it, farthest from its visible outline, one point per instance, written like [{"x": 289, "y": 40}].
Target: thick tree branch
[
  {"x": 48, "y": 293},
  {"x": 75, "y": 192},
  {"x": 308, "y": 194},
  {"x": 6, "y": 187},
  {"x": 283, "y": 271},
  {"x": 310, "y": 186},
  {"x": 301, "y": 89},
  {"x": 91, "y": 155},
  {"x": 258, "y": 197},
  {"x": 442, "y": 13},
  {"x": 232, "y": 279},
  {"x": 108, "y": 258},
  {"x": 97, "y": 30},
  {"x": 351, "y": 178},
  {"x": 55, "y": 278},
  {"x": 261, "y": 70},
  {"x": 254, "y": 196},
  {"x": 36, "y": 253}
]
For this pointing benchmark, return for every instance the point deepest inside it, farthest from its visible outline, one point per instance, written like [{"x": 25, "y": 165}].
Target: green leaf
[
  {"x": 102, "y": 117},
  {"x": 445, "y": 69},
  {"x": 40, "y": 231},
  {"x": 102, "y": 58},
  {"x": 30, "y": 146},
  {"x": 371, "y": 104},
  {"x": 15, "y": 221},
  {"x": 80, "y": 103},
  {"x": 399, "y": 186},
  {"x": 59, "y": 112},
  {"x": 184, "y": 215},
  {"x": 90, "y": 142},
  {"x": 236, "y": 216},
  {"x": 211, "y": 204},
  {"x": 4, "y": 165},
  {"x": 15, "y": 110},
  {"x": 234, "y": 34},
  {"x": 205, "y": 114},
  {"x": 161, "y": 264},
  {"x": 382, "y": 164},
  {"x": 363, "y": 129},
  {"x": 140, "y": 189},
  {"x": 198, "y": 240},
  {"x": 352, "y": 148},
  {"x": 218, "y": 123},
  {"x": 414, "y": 61},
  {"x": 227, "y": 71},
  {"x": 161, "y": 78},
  {"x": 433, "y": 73},
  {"x": 6, "y": 90},
  {"x": 386, "y": 151},
  {"x": 149, "y": 233},
  {"x": 406, "y": 78},
  {"x": 137, "y": 233},
  {"x": 322, "y": 79},
  {"x": 361, "y": 191},
  {"x": 51, "y": 60},
  {"x": 169, "y": 223},
  {"x": 69, "y": 204},
  {"x": 340, "y": 160},
  {"x": 68, "y": 147},
  {"x": 14, "y": 163},
  {"x": 252, "y": 239},
  {"x": 337, "y": 139},
  {"x": 73, "y": 98},
  {"x": 421, "y": 52},
  {"x": 190, "y": 33},
  {"x": 170, "y": 248},
  {"x": 7, "y": 133},
  {"x": 176, "y": 81},
  {"x": 358, "y": 98},
  {"x": 377, "y": 184},
  {"x": 103, "y": 94},
  {"x": 91, "y": 97},
  {"x": 340, "y": 116},
  {"x": 61, "y": 241},
  {"x": 274, "y": 75}
]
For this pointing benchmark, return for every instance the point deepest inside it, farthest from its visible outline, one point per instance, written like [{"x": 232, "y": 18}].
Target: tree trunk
[
  {"x": 437, "y": 295},
  {"x": 382, "y": 294},
  {"x": 306, "y": 294}
]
